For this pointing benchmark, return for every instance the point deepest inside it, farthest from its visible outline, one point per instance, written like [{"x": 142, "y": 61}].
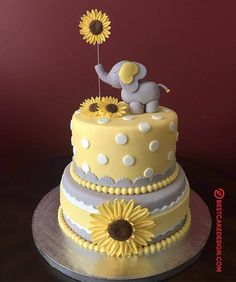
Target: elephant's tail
[{"x": 164, "y": 87}]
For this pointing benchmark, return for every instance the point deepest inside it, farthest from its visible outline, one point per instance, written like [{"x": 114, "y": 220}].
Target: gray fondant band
[
  {"x": 153, "y": 200},
  {"x": 122, "y": 182},
  {"x": 82, "y": 233}
]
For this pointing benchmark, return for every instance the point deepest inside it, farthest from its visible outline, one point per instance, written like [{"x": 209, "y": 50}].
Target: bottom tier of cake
[{"x": 124, "y": 225}]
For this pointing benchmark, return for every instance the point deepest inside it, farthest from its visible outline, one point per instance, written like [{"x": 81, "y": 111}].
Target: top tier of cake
[{"x": 132, "y": 147}]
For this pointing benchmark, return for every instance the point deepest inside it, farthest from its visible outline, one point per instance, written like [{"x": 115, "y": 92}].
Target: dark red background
[{"x": 46, "y": 70}]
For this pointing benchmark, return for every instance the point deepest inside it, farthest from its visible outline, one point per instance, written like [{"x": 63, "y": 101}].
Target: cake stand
[{"x": 88, "y": 266}]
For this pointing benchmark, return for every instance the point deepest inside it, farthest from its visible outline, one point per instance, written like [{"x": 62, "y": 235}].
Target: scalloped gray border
[{"x": 122, "y": 182}]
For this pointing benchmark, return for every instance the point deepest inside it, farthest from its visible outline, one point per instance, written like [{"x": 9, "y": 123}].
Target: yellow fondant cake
[{"x": 143, "y": 200}]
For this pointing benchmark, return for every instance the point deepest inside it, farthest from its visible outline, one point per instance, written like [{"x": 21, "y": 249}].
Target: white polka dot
[
  {"x": 148, "y": 172},
  {"x": 71, "y": 140},
  {"x": 154, "y": 145},
  {"x": 71, "y": 125},
  {"x": 85, "y": 143},
  {"x": 103, "y": 120},
  {"x": 157, "y": 116},
  {"x": 172, "y": 126},
  {"x": 74, "y": 150},
  {"x": 77, "y": 112},
  {"x": 85, "y": 167},
  {"x": 144, "y": 127},
  {"x": 102, "y": 159},
  {"x": 128, "y": 160},
  {"x": 128, "y": 117},
  {"x": 121, "y": 139},
  {"x": 171, "y": 156}
]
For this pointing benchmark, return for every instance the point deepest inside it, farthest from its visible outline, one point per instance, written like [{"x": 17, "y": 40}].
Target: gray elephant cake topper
[{"x": 142, "y": 96}]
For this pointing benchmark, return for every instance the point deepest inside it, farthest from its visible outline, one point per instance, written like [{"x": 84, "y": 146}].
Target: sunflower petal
[
  {"x": 120, "y": 249},
  {"x": 107, "y": 210},
  {"x": 93, "y": 15},
  {"x": 117, "y": 209},
  {"x": 140, "y": 240},
  {"x": 145, "y": 223},
  {"x": 105, "y": 243},
  {"x": 97, "y": 227},
  {"x": 99, "y": 236},
  {"x": 144, "y": 233},
  {"x": 126, "y": 249},
  {"x": 113, "y": 248},
  {"x": 133, "y": 246},
  {"x": 128, "y": 210},
  {"x": 102, "y": 37},
  {"x": 139, "y": 214},
  {"x": 99, "y": 16}
]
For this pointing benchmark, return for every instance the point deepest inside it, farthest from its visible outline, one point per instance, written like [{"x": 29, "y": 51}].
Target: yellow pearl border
[
  {"x": 150, "y": 249},
  {"x": 124, "y": 190}
]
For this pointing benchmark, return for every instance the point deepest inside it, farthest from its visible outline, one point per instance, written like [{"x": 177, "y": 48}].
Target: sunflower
[
  {"x": 90, "y": 106},
  {"x": 95, "y": 26},
  {"x": 120, "y": 227},
  {"x": 110, "y": 107}
]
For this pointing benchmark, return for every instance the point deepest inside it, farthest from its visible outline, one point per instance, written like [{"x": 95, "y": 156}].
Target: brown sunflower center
[
  {"x": 120, "y": 230},
  {"x": 93, "y": 107},
  {"x": 111, "y": 108},
  {"x": 96, "y": 27}
]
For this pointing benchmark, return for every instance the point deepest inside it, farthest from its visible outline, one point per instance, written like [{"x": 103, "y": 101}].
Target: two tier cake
[{"x": 124, "y": 194}]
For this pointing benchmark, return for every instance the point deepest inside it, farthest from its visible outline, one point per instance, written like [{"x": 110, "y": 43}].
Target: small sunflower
[
  {"x": 90, "y": 106},
  {"x": 111, "y": 107},
  {"x": 95, "y": 26},
  {"x": 120, "y": 227}
]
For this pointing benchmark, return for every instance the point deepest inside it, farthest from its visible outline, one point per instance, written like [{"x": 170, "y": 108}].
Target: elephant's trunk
[{"x": 101, "y": 73}]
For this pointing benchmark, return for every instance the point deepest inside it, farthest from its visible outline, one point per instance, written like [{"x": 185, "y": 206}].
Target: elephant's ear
[{"x": 129, "y": 74}]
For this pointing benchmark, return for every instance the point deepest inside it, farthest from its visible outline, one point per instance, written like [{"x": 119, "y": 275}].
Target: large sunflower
[
  {"x": 95, "y": 26},
  {"x": 111, "y": 107},
  {"x": 120, "y": 227},
  {"x": 90, "y": 106}
]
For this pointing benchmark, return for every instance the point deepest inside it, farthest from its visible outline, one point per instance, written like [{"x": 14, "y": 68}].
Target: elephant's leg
[
  {"x": 152, "y": 106},
  {"x": 136, "y": 108}
]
